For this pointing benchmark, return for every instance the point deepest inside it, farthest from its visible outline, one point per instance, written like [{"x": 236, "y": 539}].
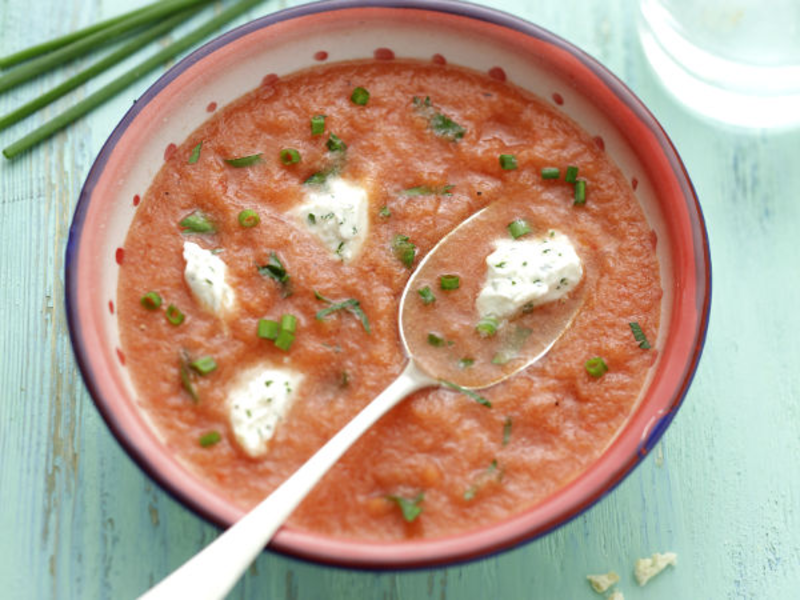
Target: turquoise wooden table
[{"x": 78, "y": 519}]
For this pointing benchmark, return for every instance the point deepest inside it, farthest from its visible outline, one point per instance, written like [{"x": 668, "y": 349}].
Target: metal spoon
[{"x": 215, "y": 570}]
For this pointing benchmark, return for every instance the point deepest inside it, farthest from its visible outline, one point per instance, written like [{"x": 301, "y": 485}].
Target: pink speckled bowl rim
[{"x": 687, "y": 324}]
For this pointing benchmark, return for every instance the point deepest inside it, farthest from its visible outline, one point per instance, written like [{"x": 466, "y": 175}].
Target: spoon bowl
[{"x": 216, "y": 569}]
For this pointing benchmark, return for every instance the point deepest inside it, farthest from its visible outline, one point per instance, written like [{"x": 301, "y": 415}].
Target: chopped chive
[
  {"x": 596, "y": 367},
  {"x": 449, "y": 282},
  {"x": 274, "y": 269},
  {"x": 441, "y": 124},
  {"x": 312, "y": 218},
  {"x": 571, "y": 175},
  {"x": 268, "y": 329},
  {"x": 317, "y": 124},
  {"x": 487, "y": 326},
  {"x": 197, "y": 222},
  {"x": 290, "y": 156},
  {"x": 284, "y": 340},
  {"x": 151, "y": 300},
  {"x": 335, "y": 143},
  {"x": 475, "y": 396},
  {"x": 507, "y": 431},
  {"x": 210, "y": 438},
  {"x": 385, "y": 212},
  {"x": 186, "y": 382},
  {"x": 404, "y": 250},
  {"x": 204, "y": 365},
  {"x": 244, "y": 161},
  {"x": 427, "y": 295},
  {"x": 427, "y": 190},
  {"x": 518, "y": 227},
  {"x": 360, "y": 96},
  {"x": 580, "y": 192},
  {"x": 508, "y": 162},
  {"x": 410, "y": 507},
  {"x": 435, "y": 340},
  {"x": 351, "y": 305},
  {"x": 466, "y": 363},
  {"x": 551, "y": 173},
  {"x": 249, "y": 218},
  {"x": 289, "y": 323},
  {"x": 639, "y": 336},
  {"x": 490, "y": 472},
  {"x": 195, "y": 155},
  {"x": 318, "y": 178},
  {"x": 174, "y": 315}
]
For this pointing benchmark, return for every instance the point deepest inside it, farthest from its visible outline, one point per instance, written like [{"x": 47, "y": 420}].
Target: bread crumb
[
  {"x": 647, "y": 568},
  {"x": 616, "y": 596},
  {"x": 601, "y": 583}
]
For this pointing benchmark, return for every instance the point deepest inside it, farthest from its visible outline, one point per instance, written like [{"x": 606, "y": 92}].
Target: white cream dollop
[
  {"x": 337, "y": 214},
  {"x": 258, "y": 401},
  {"x": 528, "y": 272},
  {"x": 205, "y": 273}
]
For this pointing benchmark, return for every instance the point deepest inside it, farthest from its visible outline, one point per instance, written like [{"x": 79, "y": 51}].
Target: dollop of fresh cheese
[
  {"x": 258, "y": 401},
  {"x": 205, "y": 274},
  {"x": 646, "y": 568},
  {"x": 601, "y": 583},
  {"x": 337, "y": 214},
  {"x": 616, "y": 595},
  {"x": 525, "y": 273}
]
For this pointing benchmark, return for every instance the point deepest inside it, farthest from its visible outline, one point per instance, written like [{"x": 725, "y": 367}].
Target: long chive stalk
[
  {"x": 136, "y": 43},
  {"x": 90, "y": 43},
  {"x": 56, "y": 43},
  {"x": 119, "y": 84}
]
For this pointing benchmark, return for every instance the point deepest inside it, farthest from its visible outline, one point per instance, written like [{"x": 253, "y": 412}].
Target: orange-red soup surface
[{"x": 546, "y": 425}]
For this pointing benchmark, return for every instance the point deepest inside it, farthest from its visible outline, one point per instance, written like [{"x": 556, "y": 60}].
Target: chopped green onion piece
[
  {"x": 244, "y": 161},
  {"x": 195, "y": 156},
  {"x": 571, "y": 175},
  {"x": 410, "y": 507},
  {"x": 197, "y": 222},
  {"x": 289, "y": 156},
  {"x": 284, "y": 340},
  {"x": 518, "y": 228},
  {"x": 210, "y": 438},
  {"x": 466, "y": 363},
  {"x": 435, "y": 340},
  {"x": 174, "y": 315},
  {"x": 580, "y": 192},
  {"x": 249, "y": 218},
  {"x": 508, "y": 162},
  {"x": 335, "y": 143},
  {"x": 639, "y": 336},
  {"x": 426, "y": 190},
  {"x": 360, "y": 96},
  {"x": 317, "y": 124},
  {"x": 151, "y": 300},
  {"x": 445, "y": 127},
  {"x": 490, "y": 472},
  {"x": 551, "y": 173},
  {"x": 351, "y": 305},
  {"x": 507, "y": 431},
  {"x": 404, "y": 250},
  {"x": 596, "y": 367},
  {"x": 427, "y": 295},
  {"x": 385, "y": 212},
  {"x": 312, "y": 219},
  {"x": 289, "y": 323},
  {"x": 318, "y": 178},
  {"x": 274, "y": 269},
  {"x": 487, "y": 326},
  {"x": 475, "y": 396},
  {"x": 449, "y": 282},
  {"x": 268, "y": 329},
  {"x": 186, "y": 382},
  {"x": 204, "y": 365}
]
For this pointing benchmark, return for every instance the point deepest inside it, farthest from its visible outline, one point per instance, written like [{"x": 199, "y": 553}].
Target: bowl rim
[{"x": 426, "y": 552}]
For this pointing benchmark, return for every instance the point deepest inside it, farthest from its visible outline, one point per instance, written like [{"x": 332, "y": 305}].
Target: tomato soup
[{"x": 272, "y": 250}]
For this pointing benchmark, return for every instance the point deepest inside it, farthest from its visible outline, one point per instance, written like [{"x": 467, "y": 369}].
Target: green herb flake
[
  {"x": 580, "y": 192},
  {"x": 274, "y": 269},
  {"x": 410, "y": 507},
  {"x": 317, "y": 124},
  {"x": 466, "y": 363},
  {"x": 435, "y": 340},
  {"x": 491, "y": 472},
  {"x": 474, "y": 395},
  {"x": 186, "y": 380},
  {"x": 518, "y": 227},
  {"x": 427, "y": 190},
  {"x": 441, "y": 124},
  {"x": 508, "y": 162},
  {"x": 335, "y": 143},
  {"x": 449, "y": 282},
  {"x": 197, "y": 222},
  {"x": 360, "y": 96},
  {"x": 384, "y": 212},
  {"x": 426, "y": 295},
  {"x": 571, "y": 175},
  {"x": 404, "y": 250},
  {"x": 596, "y": 367},
  {"x": 551, "y": 173},
  {"x": 507, "y": 424},
  {"x": 195, "y": 155},
  {"x": 487, "y": 326},
  {"x": 210, "y": 438},
  {"x": 639, "y": 336},
  {"x": 268, "y": 329},
  {"x": 204, "y": 365},
  {"x": 244, "y": 161},
  {"x": 350, "y": 305}
]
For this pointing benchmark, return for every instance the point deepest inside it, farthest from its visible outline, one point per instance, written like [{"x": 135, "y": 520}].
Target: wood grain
[{"x": 80, "y": 520}]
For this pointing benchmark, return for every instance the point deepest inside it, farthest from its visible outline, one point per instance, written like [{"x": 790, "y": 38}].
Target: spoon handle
[{"x": 215, "y": 570}]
